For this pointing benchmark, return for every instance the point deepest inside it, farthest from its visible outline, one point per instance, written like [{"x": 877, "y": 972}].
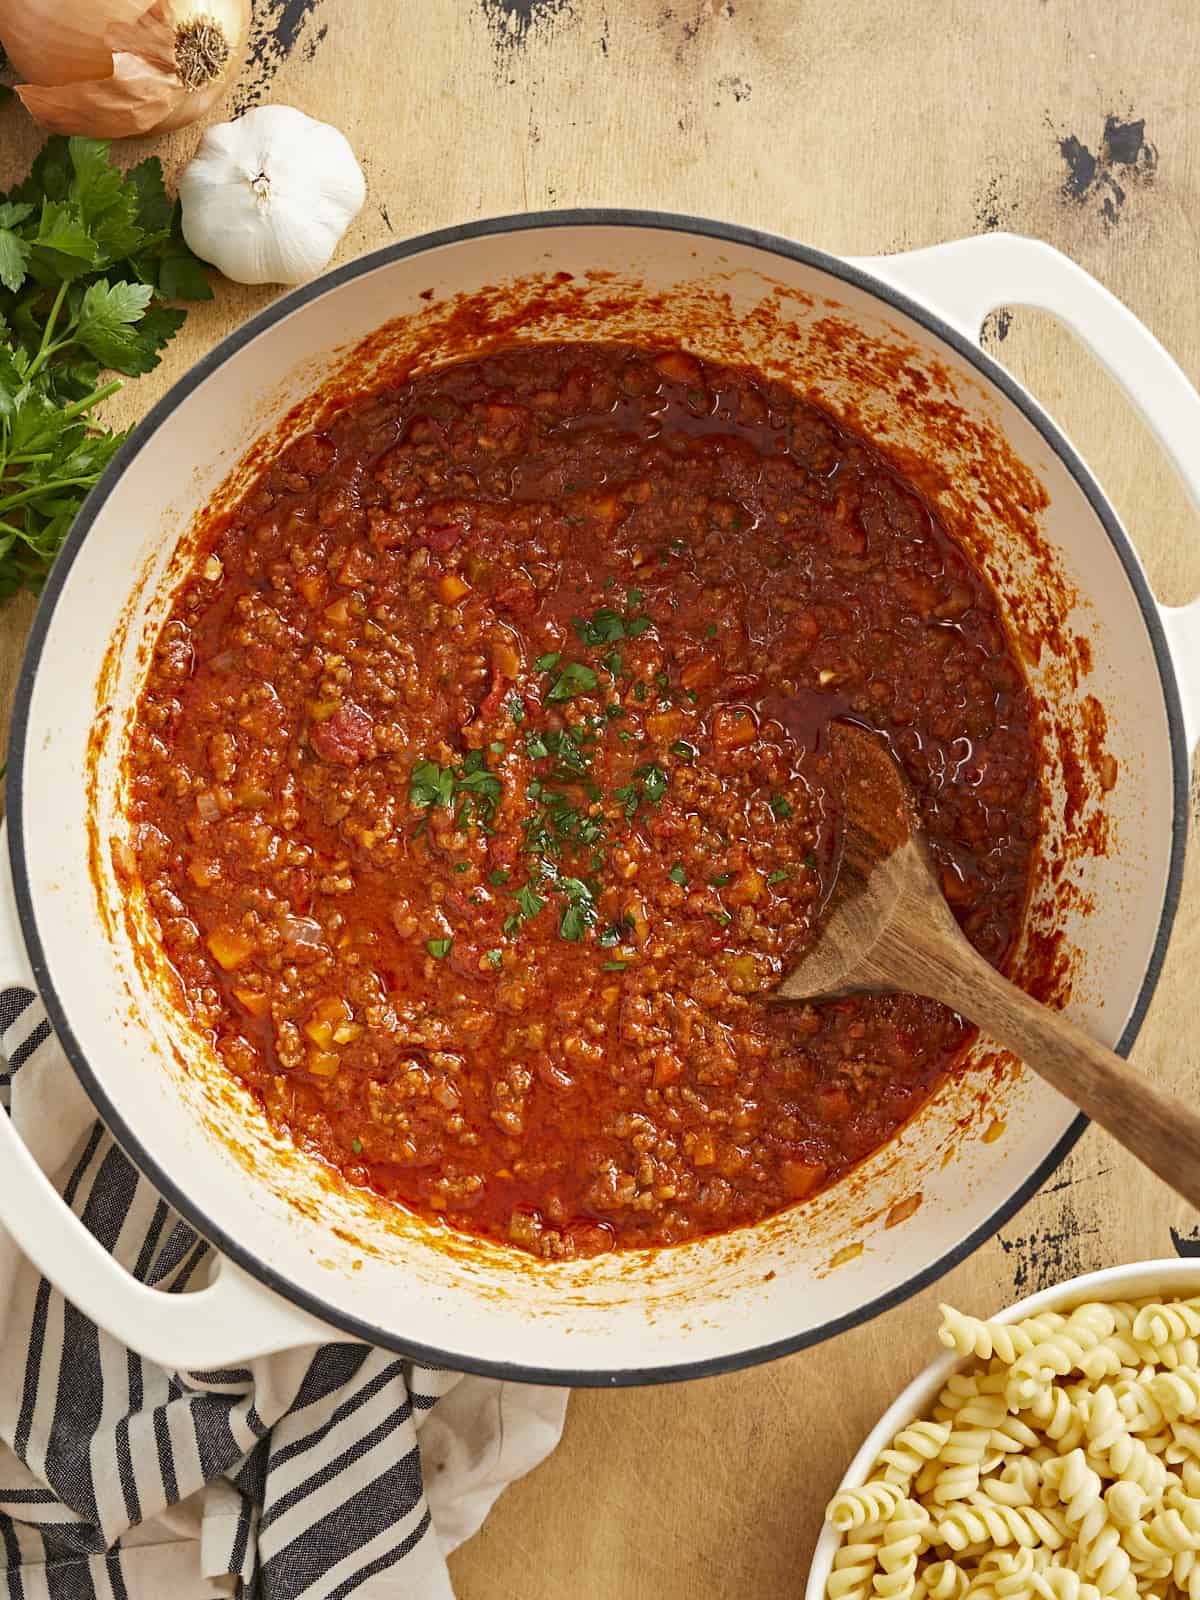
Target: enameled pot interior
[{"x": 1012, "y": 495}]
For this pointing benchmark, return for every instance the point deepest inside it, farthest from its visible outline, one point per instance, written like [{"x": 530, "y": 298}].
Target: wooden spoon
[{"x": 887, "y": 927}]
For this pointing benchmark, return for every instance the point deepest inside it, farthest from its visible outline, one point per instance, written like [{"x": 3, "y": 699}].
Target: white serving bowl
[{"x": 1168, "y": 1280}]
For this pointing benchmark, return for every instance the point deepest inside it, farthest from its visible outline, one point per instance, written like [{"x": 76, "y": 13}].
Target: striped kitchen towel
[{"x": 334, "y": 1470}]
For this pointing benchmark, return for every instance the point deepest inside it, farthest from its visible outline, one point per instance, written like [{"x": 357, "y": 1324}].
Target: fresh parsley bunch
[{"x": 89, "y": 256}]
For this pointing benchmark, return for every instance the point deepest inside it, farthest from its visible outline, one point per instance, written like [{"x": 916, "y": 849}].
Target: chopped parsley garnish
[
  {"x": 471, "y": 787},
  {"x": 639, "y": 690},
  {"x": 462, "y": 866},
  {"x": 439, "y": 949},
  {"x": 559, "y": 822},
  {"x": 603, "y": 627},
  {"x": 499, "y": 875},
  {"x": 529, "y": 902},
  {"x": 516, "y": 708},
  {"x": 496, "y": 748},
  {"x": 495, "y": 959},
  {"x": 810, "y": 861},
  {"x": 662, "y": 681},
  {"x": 607, "y": 626},
  {"x": 678, "y": 875},
  {"x": 780, "y": 805},
  {"x": 356, "y": 1146},
  {"x": 615, "y": 966},
  {"x": 613, "y": 662},
  {"x": 575, "y": 678},
  {"x": 722, "y": 917},
  {"x": 634, "y": 597},
  {"x": 548, "y": 662},
  {"x": 684, "y": 750},
  {"x": 535, "y": 746},
  {"x": 779, "y": 874},
  {"x": 721, "y": 881},
  {"x": 580, "y": 911},
  {"x": 654, "y": 782},
  {"x": 711, "y": 631}
]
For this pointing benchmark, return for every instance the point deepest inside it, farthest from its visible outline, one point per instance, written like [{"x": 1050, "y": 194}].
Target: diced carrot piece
[
  {"x": 704, "y": 1151},
  {"x": 732, "y": 729},
  {"x": 667, "y": 1069},
  {"x": 229, "y": 947},
  {"x": 255, "y": 1002},
  {"x": 747, "y": 888},
  {"x": 338, "y": 610},
  {"x": 701, "y": 673},
  {"x": 312, "y": 586},
  {"x": 506, "y": 661},
  {"x": 203, "y": 873},
  {"x": 800, "y": 1178},
  {"x": 741, "y": 969},
  {"x": 323, "y": 1063},
  {"x": 664, "y": 726},
  {"x": 451, "y": 588},
  {"x": 326, "y": 1016}
]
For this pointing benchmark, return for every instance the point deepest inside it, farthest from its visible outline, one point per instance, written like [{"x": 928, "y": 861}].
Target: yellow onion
[{"x": 113, "y": 68}]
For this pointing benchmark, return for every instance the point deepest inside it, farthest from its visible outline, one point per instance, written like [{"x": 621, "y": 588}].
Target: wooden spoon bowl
[{"x": 887, "y": 927}]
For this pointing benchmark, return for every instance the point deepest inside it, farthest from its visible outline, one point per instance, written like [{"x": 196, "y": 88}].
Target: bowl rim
[
  {"x": 244, "y": 1254},
  {"x": 1129, "y": 1282}
]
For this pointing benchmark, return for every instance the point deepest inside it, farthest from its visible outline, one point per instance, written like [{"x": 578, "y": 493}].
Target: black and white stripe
[{"x": 120, "y": 1481}]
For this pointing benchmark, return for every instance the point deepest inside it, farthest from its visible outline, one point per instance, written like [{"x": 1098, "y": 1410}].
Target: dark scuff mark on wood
[
  {"x": 512, "y": 23},
  {"x": 1046, "y": 1255},
  {"x": 1102, "y": 179},
  {"x": 275, "y": 34},
  {"x": 734, "y": 85},
  {"x": 995, "y": 326},
  {"x": 387, "y": 221},
  {"x": 1188, "y": 1245}
]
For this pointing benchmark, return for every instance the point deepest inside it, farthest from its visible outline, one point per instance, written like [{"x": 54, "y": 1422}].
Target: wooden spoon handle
[{"x": 1157, "y": 1126}]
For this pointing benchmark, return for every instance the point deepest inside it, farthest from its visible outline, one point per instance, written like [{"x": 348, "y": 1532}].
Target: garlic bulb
[
  {"x": 267, "y": 198},
  {"x": 112, "y": 68}
]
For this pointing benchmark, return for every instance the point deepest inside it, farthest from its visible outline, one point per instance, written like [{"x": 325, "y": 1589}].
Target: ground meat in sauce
[{"x": 479, "y": 790}]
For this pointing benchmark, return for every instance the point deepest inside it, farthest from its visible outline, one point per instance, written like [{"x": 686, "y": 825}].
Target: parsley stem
[
  {"x": 90, "y": 400},
  {"x": 44, "y": 350},
  {"x": 36, "y": 493}
]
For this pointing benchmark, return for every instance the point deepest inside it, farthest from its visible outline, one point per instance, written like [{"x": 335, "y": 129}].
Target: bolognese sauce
[{"x": 480, "y": 790}]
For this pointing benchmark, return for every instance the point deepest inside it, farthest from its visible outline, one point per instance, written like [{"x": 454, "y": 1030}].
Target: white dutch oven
[
  {"x": 1161, "y": 1280},
  {"x": 890, "y": 343}
]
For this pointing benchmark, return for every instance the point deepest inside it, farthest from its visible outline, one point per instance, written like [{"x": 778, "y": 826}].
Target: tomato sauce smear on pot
[{"x": 481, "y": 796}]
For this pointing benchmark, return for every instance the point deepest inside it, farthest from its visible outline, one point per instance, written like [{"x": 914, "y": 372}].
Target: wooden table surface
[{"x": 860, "y": 126}]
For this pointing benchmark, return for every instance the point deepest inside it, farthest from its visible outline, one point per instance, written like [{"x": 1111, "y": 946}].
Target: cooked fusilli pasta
[{"x": 1062, "y": 1463}]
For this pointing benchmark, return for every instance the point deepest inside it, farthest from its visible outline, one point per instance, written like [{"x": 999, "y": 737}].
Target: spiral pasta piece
[
  {"x": 853, "y": 1571},
  {"x": 912, "y": 1449},
  {"x": 1062, "y": 1583},
  {"x": 944, "y": 1580},
  {"x": 974, "y": 1336},
  {"x": 981, "y": 1518},
  {"x": 1064, "y": 1351},
  {"x": 1078, "y": 1486},
  {"x": 855, "y": 1508},
  {"x": 1177, "y": 1393},
  {"x": 903, "y": 1540},
  {"x": 1160, "y": 1324}
]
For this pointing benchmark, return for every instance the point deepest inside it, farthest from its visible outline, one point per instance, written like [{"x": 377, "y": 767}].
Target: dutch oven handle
[
  {"x": 230, "y": 1321},
  {"x": 965, "y": 280}
]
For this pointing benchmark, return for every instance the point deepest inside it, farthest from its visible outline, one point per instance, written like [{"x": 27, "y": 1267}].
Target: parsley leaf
[
  {"x": 780, "y": 805},
  {"x": 88, "y": 256},
  {"x": 575, "y": 678},
  {"x": 678, "y": 875},
  {"x": 439, "y": 949}
]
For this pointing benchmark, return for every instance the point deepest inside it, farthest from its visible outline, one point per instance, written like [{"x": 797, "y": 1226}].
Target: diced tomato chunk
[{"x": 347, "y": 737}]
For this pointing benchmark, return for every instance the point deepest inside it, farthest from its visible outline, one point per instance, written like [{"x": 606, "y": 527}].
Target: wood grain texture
[{"x": 860, "y": 126}]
